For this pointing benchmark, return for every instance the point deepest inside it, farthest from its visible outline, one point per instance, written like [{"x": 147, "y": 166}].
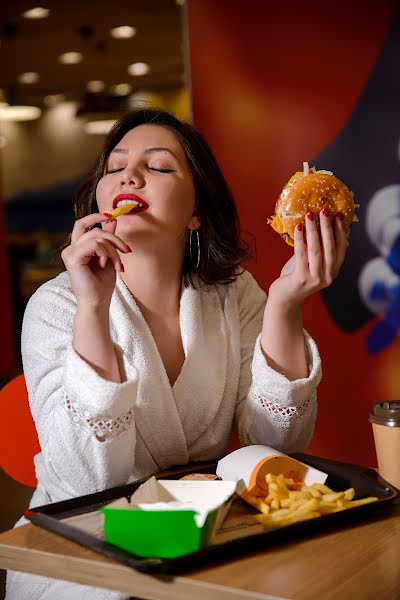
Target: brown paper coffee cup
[{"x": 385, "y": 419}]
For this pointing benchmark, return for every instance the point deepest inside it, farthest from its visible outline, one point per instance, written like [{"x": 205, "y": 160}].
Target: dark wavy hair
[{"x": 222, "y": 250}]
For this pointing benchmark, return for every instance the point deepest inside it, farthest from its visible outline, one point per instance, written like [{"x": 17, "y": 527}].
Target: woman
[{"x": 153, "y": 342}]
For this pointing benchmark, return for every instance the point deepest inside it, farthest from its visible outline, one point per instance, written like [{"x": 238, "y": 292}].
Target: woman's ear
[{"x": 194, "y": 222}]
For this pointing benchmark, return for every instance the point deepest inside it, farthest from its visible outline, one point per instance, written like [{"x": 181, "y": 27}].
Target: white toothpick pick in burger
[{"x": 312, "y": 191}]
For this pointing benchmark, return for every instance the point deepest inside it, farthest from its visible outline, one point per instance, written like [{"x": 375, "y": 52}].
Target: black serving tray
[{"x": 365, "y": 481}]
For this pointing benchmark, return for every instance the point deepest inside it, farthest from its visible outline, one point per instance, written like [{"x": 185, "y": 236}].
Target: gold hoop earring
[{"x": 195, "y": 264}]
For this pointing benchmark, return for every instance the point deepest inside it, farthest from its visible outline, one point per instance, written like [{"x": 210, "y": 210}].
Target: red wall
[{"x": 272, "y": 85}]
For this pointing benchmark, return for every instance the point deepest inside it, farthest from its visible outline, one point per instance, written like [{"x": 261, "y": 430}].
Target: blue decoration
[{"x": 385, "y": 331}]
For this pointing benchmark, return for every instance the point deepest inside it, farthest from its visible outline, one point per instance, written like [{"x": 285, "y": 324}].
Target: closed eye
[
  {"x": 150, "y": 169},
  {"x": 114, "y": 170}
]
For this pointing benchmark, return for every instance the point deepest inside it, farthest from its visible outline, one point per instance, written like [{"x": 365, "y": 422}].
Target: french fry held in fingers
[
  {"x": 122, "y": 210},
  {"x": 285, "y": 503}
]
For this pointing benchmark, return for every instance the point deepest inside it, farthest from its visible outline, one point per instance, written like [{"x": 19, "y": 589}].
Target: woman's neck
[{"x": 155, "y": 281}]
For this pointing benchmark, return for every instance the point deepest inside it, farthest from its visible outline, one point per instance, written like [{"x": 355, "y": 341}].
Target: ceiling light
[
  {"x": 180, "y": 2},
  {"x": 121, "y": 89},
  {"x": 53, "y": 99},
  {"x": 95, "y": 86},
  {"x": 19, "y": 113},
  {"x": 70, "y": 58},
  {"x": 124, "y": 32},
  {"x": 28, "y": 77},
  {"x": 141, "y": 99},
  {"x": 100, "y": 127},
  {"x": 139, "y": 68},
  {"x": 36, "y": 13}
]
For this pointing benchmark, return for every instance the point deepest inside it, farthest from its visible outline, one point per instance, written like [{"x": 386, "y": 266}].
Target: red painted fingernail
[
  {"x": 310, "y": 216},
  {"x": 325, "y": 212},
  {"x": 300, "y": 227},
  {"x": 107, "y": 215},
  {"x": 122, "y": 269},
  {"x": 340, "y": 216},
  {"x": 128, "y": 249}
]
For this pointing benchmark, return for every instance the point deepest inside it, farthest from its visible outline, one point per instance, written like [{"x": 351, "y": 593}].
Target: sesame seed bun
[{"x": 311, "y": 193}]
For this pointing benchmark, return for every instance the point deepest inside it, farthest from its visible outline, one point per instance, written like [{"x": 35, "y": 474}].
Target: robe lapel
[
  {"x": 155, "y": 412},
  {"x": 199, "y": 389}
]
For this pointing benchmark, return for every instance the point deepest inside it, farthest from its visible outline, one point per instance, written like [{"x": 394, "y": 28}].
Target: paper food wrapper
[
  {"x": 168, "y": 518},
  {"x": 201, "y": 497},
  {"x": 249, "y": 465}
]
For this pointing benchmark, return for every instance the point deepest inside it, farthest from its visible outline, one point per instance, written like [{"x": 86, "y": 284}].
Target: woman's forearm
[
  {"x": 92, "y": 341},
  {"x": 282, "y": 340}
]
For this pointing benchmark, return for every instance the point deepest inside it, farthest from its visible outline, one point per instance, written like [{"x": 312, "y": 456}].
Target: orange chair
[{"x": 18, "y": 439}]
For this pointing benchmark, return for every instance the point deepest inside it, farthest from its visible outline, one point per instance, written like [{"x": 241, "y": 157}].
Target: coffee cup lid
[{"x": 386, "y": 413}]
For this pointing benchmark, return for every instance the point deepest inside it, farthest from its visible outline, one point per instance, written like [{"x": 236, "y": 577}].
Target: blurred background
[
  {"x": 270, "y": 86},
  {"x": 68, "y": 72}
]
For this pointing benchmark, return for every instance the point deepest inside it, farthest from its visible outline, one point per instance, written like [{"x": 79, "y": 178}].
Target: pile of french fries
[{"x": 288, "y": 502}]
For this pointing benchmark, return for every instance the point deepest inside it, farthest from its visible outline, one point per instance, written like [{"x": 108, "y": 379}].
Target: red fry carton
[{"x": 249, "y": 465}]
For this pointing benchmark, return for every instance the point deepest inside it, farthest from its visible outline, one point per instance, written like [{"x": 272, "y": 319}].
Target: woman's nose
[{"x": 132, "y": 177}]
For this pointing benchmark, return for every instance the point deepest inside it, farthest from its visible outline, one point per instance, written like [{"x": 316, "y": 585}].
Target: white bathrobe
[{"x": 147, "y": 424}]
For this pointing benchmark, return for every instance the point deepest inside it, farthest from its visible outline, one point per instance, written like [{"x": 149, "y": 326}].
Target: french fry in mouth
[{"x": 122, "y": 210}]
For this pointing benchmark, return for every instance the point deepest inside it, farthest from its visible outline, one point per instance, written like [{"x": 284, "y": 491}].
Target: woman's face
[{"x": 150, "y": 163}]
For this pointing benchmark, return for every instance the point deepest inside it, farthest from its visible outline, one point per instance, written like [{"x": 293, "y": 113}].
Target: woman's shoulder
[
  {"x": 48, "y": 317},
  {"x": 243, "y": 283},
  {"x": 55, "y": 294},
  {"x": 242, "y": 291}
]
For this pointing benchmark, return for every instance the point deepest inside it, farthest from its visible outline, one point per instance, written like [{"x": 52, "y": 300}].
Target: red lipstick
[{"x": 134, "y": 198}]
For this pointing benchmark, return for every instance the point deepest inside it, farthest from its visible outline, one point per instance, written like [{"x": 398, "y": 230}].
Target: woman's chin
[{"x": 131, "y": 227}]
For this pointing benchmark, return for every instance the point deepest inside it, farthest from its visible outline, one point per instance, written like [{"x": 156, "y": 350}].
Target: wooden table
[{"x": 361, "y": 562}]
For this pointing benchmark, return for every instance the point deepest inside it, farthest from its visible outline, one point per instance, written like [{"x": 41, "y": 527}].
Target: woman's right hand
[{"x": 92, "y": 260}]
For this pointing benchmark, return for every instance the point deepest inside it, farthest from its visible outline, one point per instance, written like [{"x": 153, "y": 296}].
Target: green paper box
[{"x": 168, "y": 518}]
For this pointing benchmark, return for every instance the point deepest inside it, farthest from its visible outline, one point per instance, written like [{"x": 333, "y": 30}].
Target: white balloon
[
  {"x": 383, "y": 218},
  {"x": 376, "y": 270}
]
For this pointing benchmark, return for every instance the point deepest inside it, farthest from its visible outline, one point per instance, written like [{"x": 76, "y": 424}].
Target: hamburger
[{"x": 311, "y": 191}]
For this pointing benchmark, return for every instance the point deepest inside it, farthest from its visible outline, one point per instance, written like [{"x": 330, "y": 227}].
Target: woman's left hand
[{"x": 315, "y": 264}]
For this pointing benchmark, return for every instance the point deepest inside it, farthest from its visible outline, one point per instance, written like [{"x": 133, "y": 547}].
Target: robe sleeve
[
  {"x": 270, "y": 409},
  {"x": 85, "y": 424}
]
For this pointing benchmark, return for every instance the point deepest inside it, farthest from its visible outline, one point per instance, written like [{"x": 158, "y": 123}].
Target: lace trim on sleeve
[
  {"x": 284, "y": 413},
  {"x": 102, "y": 429}
]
